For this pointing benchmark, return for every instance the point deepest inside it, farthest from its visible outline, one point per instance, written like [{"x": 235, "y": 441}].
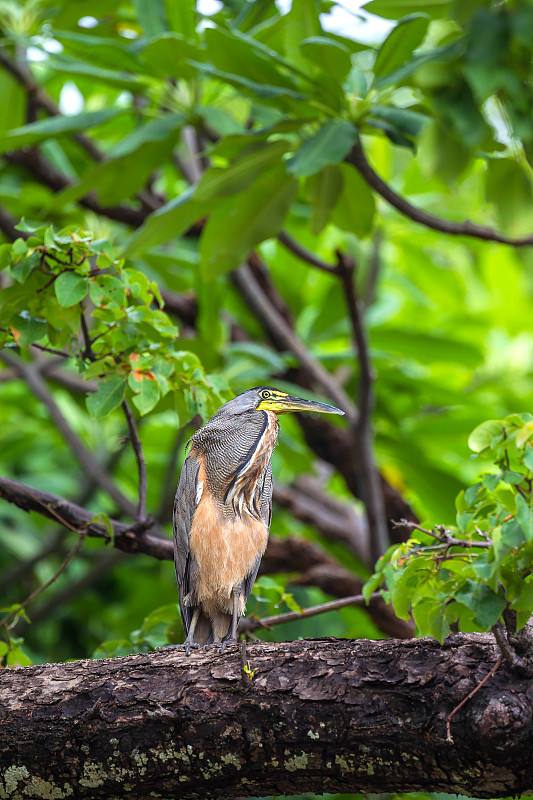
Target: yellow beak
[{"x": 288, "y": 404}]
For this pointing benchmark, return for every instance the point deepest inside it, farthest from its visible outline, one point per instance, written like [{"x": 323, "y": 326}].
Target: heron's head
[{"x": 265, "y": 398}]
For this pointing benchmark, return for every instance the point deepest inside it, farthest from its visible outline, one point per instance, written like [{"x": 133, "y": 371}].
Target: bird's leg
[
  {"x": 235, "y": 617},
  {"x": 189, "y": 641}
]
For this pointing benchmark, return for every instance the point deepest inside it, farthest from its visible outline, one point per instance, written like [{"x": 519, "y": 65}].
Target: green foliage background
[{"x": 274, "y": 104}]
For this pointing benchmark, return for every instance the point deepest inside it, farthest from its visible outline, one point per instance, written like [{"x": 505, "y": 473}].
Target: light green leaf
[
  {"x": 109, "y": 395},
  {"x": 70, "y": 288},
  {"x": 395, "y": 9},
  {"x": 167, "y": 223},
  {"x": 166, "y": 55},
  {"x": 181, "y": 17},
  {"x": 332, "y": 57},
  {"x": 71, "y": 66},
  {"x": 524, "y": 515},
  {"x": 400, "y": 44},
  {"x": 55, "y": 127},
  {"x": 323, "y": 189},
  {"x": 482, "y": 436},
  {"x": 27, "y": 330},
  {"x": 234, "y": 229},
  {"x": 146, "y": 390},
  {"x": 355, "y": 207},
  {"x": 151, "y": 15},
  {"x": 329, "y": 146},
  {"x": 242, "y": 172}
]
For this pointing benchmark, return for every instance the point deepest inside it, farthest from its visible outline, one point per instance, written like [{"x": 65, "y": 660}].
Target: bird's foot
[
  {"x": 220, "y": 646},
  {"x": 185, "y": 646}
]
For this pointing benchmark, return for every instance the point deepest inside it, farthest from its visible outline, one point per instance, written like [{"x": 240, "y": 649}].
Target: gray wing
[
  {"x": 265, "y": 505},
  {"x": 184, "y": 507}
]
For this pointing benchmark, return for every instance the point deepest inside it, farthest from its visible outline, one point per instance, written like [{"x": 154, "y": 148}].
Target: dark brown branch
[
  {"x": 358, "y": 159},
  {"x": 304, "y": 254},
  {"x": 336, "y": 520},
  {"x": 314, "y": 716},
  {"x": 125, "y": 537},
  {"x": 370, "y": 488},
  {"x": 139, "y": 456}
]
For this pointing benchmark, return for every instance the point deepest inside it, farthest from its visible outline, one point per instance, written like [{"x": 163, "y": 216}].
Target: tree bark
[{"x": 320, "y": 715}]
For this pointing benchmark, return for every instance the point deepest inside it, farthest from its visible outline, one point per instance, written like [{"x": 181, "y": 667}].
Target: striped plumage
[{"x": 222, "y": 511}]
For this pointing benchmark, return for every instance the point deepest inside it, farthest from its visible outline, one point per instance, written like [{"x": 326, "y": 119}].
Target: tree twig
[
  {"x": 250, "y": 624},
  {"x": 449, "y": 737},
  {"x": 16, "y": 611},
  {"x": 358, "y": 159},
  {"x": 369, "y": 476},
  {"x": 141, "y": 465},
  {"x": 304, "y": 254}
]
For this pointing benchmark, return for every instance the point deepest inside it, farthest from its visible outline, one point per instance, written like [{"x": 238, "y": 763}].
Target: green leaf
[
  {"x": 21, "y": 269},
  {"x": 28, "y": 330},
  {"x": 355, "y": 207},
  {"x": 324, "y": 190},
  {"x": 329, "y": 146},
  {"x": 236, "y": 53},
  {"x": 524, "y": 515},
  {"x": 395, "y": 9},
  {"x": 167, "y": 223},
  {"x": 70, "y": 288},
  {"x": 151, "y": 15},
  {"x": 332, "y": 57},
  {"x": 121, "y": 80},
  {"x": 372, "y": 585},
  {"x": 486, "y": 604},
  {"x": 109, "y": 395},
  {"x": 400, "y": 44},
  {"x": 166, "y": 55},
  {"x": 233, "y": 230},
  {"x": 242, "y": 172},
  {"x": 53, "y": 127},
  {"x": 481, "y": 437},
  {"x": 528, "y": 458},
  {"x": 509, "y": 189},
  {"x": 181, "y": 17},
  {"x": 146, "y": 390}
]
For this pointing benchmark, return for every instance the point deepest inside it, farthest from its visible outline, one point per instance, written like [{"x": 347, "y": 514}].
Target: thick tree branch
[
  {"x": 129, "y": 538},
  {"x": 358, "y": 159},
  {"x": 308, "y": 716}
]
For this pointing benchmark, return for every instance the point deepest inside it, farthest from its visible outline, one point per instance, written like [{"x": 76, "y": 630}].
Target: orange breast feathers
[{"x": 224, "y": 547}]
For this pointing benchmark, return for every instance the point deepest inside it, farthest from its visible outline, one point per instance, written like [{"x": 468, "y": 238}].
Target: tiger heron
[{"x": 223, "y": 508}]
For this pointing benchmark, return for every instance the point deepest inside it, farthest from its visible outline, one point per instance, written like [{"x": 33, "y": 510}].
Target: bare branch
[
  {"x": 366, "y": 466},
  {"x": 129, "y": 538},
  {"x": 141, "y": 465},
  {"x": 12, "y": 615},
  {"x": 358, "y": 159},
  {"x": 251, "y": 624},
  {"x": 304, "y": 254}
]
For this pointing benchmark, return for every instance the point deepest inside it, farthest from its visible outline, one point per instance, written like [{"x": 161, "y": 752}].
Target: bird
[{"x": 222, "y": 511}]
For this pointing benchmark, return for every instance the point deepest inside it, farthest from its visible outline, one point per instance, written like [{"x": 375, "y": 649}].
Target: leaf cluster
[
  {"x": 69, "y": 294},
  {"x": 468, "y": 575}
]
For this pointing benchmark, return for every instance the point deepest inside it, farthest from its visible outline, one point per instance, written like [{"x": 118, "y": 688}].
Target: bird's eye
[{"x": 265, "y": 394}]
